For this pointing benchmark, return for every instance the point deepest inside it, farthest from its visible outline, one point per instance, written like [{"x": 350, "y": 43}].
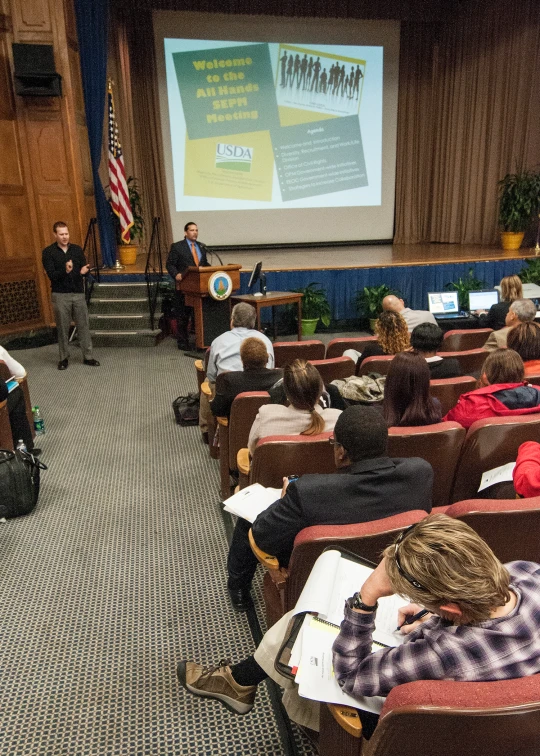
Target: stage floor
[{"x": 357, "y": 256}]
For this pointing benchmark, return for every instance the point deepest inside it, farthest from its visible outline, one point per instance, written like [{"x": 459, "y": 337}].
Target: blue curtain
[{"x": 92, "y": 31}]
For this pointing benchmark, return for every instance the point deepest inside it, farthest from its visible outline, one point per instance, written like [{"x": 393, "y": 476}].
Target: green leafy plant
[
  {"x": 531, "y": 273},
  {"x": 314, "y": 303},
  {"x": 135, "y": 200},
  {"x": 519, "y": 200},
  {"x": 369, "y": 300},
  {"x": 464, "y": 285}
]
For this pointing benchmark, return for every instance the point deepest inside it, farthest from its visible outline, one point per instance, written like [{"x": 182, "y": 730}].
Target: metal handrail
[
  {"x": 90, "y": 244},
  {"x": 153, "y": 271}
]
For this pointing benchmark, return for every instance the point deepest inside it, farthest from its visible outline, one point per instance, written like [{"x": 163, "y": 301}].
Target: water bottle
[
  {"x": 39, "y": 423},
  {"x": 21, "y": 446}
]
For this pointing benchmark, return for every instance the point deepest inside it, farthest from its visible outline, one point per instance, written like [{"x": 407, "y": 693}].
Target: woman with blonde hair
[
  {"x": 303, "y": 388},
  {"x": 511, "y": 289},
  {"x": 392, "y": 337}
]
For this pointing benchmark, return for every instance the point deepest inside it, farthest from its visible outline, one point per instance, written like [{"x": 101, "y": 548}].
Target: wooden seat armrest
[
  {"x": 205, "y": 389},
  {"x": 223, "y": 421},
  {"x": 199, "y": 365},
  {"x": 242, "y": 461},
  {"x": 347, "y": 718},
  {"x": 278, "y": 574}
]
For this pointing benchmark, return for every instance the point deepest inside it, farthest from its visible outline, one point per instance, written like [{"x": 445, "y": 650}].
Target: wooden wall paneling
[
  {"x": 32, "y": 21},
  {"x": 16, "y": 236},
  {"x": 86, "y": 164},
  {"x": 7, "y": 103},
  {"x": 11, "y": 177},
  {"x": 48, "y": 155}
]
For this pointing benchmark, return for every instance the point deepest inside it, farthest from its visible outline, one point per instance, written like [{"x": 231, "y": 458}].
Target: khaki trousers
[{"x": 68, "y": 307}]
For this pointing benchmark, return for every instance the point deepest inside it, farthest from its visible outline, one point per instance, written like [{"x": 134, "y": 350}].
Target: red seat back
[
  {"x": 275, "y": 457},
  {"x": 376, "y": 365},
  {"x": 337, "y": 368},
  {"x": 448, "y": 390},
  {"x": 243, "y": 412},
  {"x": 286, "y": 352},
  {"x": 470, "y": 361},
  {"x": 336, "y": 347},
  {"x": 461, "y": 340}
]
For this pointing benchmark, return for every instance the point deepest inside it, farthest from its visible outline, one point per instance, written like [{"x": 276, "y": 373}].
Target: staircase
[{"x": 119, "y": 315}]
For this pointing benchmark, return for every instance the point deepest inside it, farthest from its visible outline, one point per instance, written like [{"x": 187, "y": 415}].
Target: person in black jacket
[
  {"x": 254, "y": 377},
  {"x": 511, "y": 289},
  {"x": 184, "y": 254},
  {"x": 65, "y": 264},
  {"x": 20, "y": 427},
  {"x": 374, "y": 486},
  {"x": 426, "y": 340}
]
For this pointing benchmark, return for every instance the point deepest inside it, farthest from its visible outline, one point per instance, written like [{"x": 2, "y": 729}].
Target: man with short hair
[
  {"x": 184, "y": 254},
  {"x": 426, "y": 340},
  {"x": 521, "y": 311},
  {"x": 225, "y": 354},
  {"x": 65, "y": 264},
  {"x": 374, "y": 486},
  {"x": 413, "y": 318},
  {"x": 255, "y": 376},
  {"x": 481, "y": 625}
]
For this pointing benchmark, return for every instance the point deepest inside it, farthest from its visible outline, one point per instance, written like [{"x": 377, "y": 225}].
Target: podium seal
[{"x": 220, "y": 285}]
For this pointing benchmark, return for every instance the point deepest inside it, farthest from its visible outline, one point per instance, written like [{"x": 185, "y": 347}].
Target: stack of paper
[{"x": 251, "y": 501}]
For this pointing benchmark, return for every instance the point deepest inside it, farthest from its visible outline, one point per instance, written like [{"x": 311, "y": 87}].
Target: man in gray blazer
[{"x": 521, "y": 311}]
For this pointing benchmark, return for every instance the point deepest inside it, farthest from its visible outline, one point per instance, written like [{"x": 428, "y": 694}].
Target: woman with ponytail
[{"x": 303, "y": 388}]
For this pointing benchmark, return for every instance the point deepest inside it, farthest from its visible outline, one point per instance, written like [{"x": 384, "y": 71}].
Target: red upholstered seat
[
  {"x": 376, "y": 365},
  {"x": 448, "y": 390},
  {"x": 461, "y": 340},
  {"x": 470, "y": 360},
  {"x": 286, "y": 352},
  {"x": 335, "y": 368},
  {"x": 490, "y": 443},
  {"x": 275, "y": 457},
  {"x": 509, "y": 526},
  {"x": 336, "y": 347}
]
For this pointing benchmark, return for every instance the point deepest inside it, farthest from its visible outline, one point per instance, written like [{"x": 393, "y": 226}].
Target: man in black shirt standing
[{"x": 65, "y": 264}]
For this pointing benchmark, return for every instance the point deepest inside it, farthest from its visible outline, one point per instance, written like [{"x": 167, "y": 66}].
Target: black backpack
[
  {"x": 186, "y": 409},
  {"x": 19, "y": 482}
]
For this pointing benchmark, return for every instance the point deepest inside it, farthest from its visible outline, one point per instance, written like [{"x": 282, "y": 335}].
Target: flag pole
[{"x": 117, "y": 265}]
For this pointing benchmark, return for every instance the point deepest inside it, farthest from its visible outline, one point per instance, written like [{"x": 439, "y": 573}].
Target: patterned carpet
[{"x": 120, "y": 572}]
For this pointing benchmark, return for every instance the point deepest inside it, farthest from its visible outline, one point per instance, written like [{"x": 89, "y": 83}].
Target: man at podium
[{"x": 185, "y": 254}]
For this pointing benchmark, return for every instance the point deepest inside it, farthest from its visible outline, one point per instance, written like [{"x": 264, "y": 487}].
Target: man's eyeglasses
[
  {"x": 401, "y": 571},
  {"x": 332, "y": 441}
]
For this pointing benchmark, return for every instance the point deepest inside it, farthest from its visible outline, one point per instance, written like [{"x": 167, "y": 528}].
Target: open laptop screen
[
  {"x": 482, "y": 300},
  {"x": 443, "y": 302}
]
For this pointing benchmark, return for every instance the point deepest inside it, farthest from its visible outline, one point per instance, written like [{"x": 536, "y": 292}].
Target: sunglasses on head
[{"x": 401, "y": 571}]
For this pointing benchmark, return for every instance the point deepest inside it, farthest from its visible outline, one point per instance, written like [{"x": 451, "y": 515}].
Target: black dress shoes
[
  {"x": 94, "y": 363},
  {"x": 240, "y": 599},
  {"x": 205, "y": 438},
  {"x": 62, "y": 365}
]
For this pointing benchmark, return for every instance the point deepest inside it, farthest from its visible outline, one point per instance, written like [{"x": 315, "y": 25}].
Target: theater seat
[
  {"x": 201, "y": 367},
  {"x": 337, "y": 368},
  {"x": 5, "y": 374},
  {"x": 442, "y": 717},
  {"x": 6, "y": 439},
  {"x": 448, "y": 390},
  {"x": 490, "y": 443},
  {"x": 336, "y": 347},
  {"x": 282, "y": 587},
  {"x": 275, "y": 457},
  {"x": 470, "y": 361},
  {"x": 438, "y": 444},
  {"x": 462, "y": 340},
  {"x": 509, "y": 526},
  {"x": 286, "y": 352},
  {"x": 379, "y": 364}
]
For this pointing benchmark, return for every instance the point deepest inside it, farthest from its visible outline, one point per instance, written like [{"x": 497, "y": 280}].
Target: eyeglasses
[
  {"x": 401, "y": 571},
  {"x": 332, "y": 441}
]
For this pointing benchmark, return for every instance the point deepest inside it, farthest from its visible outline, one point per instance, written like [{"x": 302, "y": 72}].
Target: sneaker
[{"x": 217, "y": 682}]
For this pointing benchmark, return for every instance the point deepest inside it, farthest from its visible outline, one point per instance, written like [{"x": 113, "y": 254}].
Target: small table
[{"x": 272, "y": 299}]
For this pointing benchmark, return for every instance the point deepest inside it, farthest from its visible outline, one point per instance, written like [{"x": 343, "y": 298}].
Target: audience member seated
[
  {"x": 527, "y": 470},
  {"x": 20, "y": 427},
  {"x": 303, "y": 387},
  {"x": 426, "y": 340},
  {"x": 504, "y": 391},
  {"x": 375, "y": 487},
  {"x": 520, "y": 311},
  {"x": 524, "y": 339},
  {"x": 481, "y": 625},
  {"x": 413, "y": 318},
  {"x": 225, "y": 354},
  {"x": 511, "y": 289},
  {"x": 392, "y": 337},
  {"x": 406, "y": 393},
  {"x": 254, "y": 377}
]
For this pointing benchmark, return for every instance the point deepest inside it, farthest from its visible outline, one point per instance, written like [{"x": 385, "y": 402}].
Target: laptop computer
[
  {"x": 444, "y": 305},
  {"x": 482, "y": 300}
]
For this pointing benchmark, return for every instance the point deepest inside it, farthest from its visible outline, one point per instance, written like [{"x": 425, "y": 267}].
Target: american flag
[{"x": 117, "y": 177}]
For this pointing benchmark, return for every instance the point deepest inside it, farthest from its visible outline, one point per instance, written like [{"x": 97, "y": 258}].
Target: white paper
[
  {"x": 500, "y": 474},
  {"x": 317, "y": 592},
  {"x": 251, "y": 501}
]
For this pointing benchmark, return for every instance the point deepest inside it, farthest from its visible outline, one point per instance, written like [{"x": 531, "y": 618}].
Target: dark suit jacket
[
  {"x": 496, "y": 317},
  {"x": 229, "y": 385},
  {"x": 180, "y": 257},
  {"x": 445, "y": 368},
  {"x": 367, "y": 490}
]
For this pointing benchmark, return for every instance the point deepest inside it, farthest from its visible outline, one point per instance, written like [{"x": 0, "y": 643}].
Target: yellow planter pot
[
  {"x": 127, "y": 254},
  {"x": 511, "y": 240}
]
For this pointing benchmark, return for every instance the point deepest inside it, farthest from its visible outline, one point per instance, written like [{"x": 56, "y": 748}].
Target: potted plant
[
  {"x": 518, "y": 202},
  {"x": 127, "y": 253},
  {"x": 315, "y": 307},
  {"x": 531, "y": 273},
  {"x": 463, "y": 286},
  {"x": 369, "y": 301}
]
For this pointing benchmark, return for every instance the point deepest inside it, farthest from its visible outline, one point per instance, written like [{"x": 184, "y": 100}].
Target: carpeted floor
[{"x": 120, "y": 572}]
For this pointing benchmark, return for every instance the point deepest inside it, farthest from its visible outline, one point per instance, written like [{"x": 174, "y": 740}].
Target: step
[
  {"x": 103, "y": 306},
  {"x": 120, "y": 290},
  {"x": 119, "y": 321},
  {"x": 144, "y": 337}
]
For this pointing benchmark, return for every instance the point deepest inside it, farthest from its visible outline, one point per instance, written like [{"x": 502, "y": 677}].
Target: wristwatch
[{"x": 356, "y": 603}]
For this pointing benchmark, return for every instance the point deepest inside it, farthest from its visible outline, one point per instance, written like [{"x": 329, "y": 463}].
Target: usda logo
[{"x": 233, "y": 157}]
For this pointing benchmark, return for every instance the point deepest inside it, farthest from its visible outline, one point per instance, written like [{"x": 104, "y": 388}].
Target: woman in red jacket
[{"x": 504, "y": 391}]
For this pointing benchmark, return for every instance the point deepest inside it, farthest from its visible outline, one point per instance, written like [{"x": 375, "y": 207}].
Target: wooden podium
[{"x": 212, "y": 316}]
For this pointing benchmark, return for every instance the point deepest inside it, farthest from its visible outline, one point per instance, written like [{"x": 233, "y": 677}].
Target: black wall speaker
[{"x": 35, "y": 73}]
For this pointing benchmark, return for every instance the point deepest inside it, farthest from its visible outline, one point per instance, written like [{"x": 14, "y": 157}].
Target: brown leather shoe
[{"x": 217, "y": 682}]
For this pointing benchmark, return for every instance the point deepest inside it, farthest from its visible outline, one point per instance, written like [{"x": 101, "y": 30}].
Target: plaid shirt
[{"x": 499, "y": 649}]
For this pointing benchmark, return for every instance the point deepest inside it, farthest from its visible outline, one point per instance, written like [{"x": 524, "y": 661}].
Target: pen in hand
[{"x": 413, "y": 618}]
